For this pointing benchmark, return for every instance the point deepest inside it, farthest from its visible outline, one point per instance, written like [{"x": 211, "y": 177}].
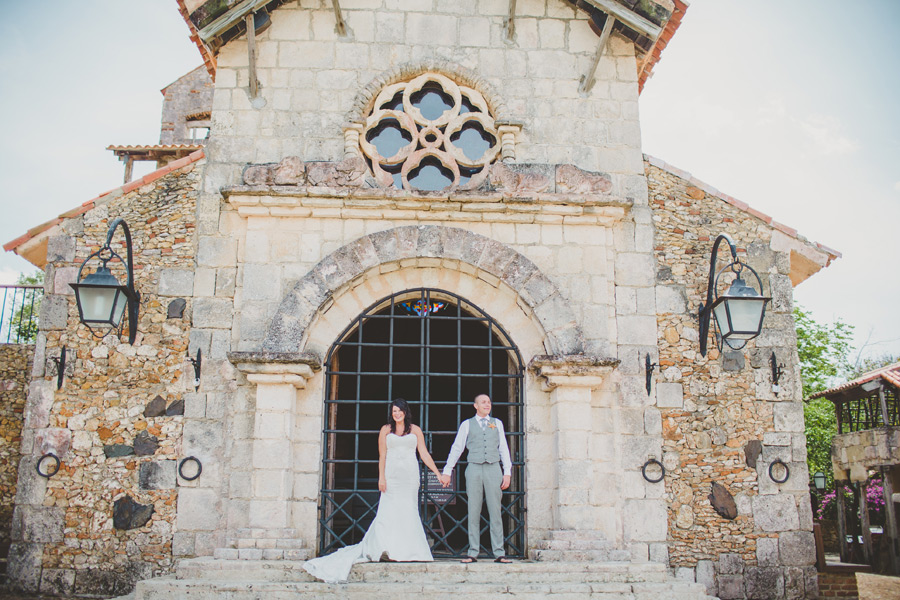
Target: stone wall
[
  {"x": 116, "y": 424},
  {"x": 255, "y": 248},
  {"x": 722, "y": 421},
  {"x": 189, "y": 96},
  {"x": 854, "y": 454},
  {"x": 15, "y": 367}
]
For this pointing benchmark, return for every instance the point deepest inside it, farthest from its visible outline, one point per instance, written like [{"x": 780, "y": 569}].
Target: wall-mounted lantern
[
  {"x": 739, "y": 312},
  {"x": 101, "y": 299},
  {"x": 819, "y": 481}
]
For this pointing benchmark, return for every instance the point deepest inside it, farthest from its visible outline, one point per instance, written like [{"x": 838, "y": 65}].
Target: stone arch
[
  {"x": 362, "y": 103},
  {"x": 487, "y": 260}
]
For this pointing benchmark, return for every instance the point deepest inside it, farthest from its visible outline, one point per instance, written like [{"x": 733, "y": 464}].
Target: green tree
[
  {"x": 23, "y": 322},
  {"x": 824, "y": 351}
]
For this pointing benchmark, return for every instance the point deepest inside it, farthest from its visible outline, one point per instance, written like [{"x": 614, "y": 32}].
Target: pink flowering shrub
[{"x": 874, "y": 498}]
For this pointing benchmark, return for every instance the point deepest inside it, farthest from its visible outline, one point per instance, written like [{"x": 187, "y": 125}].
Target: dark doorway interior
[{"x": 437, "y": 351}]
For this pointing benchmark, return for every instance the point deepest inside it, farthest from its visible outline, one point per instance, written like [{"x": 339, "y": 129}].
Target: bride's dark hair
[{"x": 407, "y": 415}]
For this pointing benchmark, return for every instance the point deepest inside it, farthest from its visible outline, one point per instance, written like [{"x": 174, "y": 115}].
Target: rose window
[{"x": 430, "y": 134}]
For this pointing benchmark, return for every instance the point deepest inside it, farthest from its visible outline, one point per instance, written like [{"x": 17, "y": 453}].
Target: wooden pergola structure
[
  {"x": 162, "y": 154},
  {"x": 868, "y": 439}
]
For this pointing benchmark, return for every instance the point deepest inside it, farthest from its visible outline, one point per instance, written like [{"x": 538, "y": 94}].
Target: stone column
[
  {"x": 570, "y": 381},
  {"x": 277, "y": 376}
]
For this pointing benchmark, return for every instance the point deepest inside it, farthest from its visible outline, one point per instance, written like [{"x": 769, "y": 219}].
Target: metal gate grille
[{"x": 437, "y": 351}]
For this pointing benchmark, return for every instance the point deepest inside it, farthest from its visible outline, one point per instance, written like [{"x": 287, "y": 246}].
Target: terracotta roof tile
[
  {"x": 157, "y": 147},
  {"x": 690, "y": 179},
  {"x": 890, "y": 373},
  {"x": 86, "y": 206},
  {"x": 653, "y": 56}
]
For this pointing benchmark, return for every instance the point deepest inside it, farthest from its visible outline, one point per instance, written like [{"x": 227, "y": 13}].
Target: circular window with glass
[{"x": 430, "y": 134}]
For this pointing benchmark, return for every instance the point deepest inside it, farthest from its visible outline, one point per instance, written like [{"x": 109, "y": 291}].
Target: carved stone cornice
[
  {"x": 571, "y": 370},
  {"x": 276, "y": 368}
]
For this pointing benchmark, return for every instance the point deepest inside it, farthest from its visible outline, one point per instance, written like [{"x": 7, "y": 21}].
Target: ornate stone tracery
[{"x": 430, "y": 134}]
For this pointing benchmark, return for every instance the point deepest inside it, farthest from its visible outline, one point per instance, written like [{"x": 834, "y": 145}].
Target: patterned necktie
[{"x": 483, "y": 423}]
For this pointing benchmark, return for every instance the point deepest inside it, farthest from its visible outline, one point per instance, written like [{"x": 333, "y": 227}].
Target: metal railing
[{"x": 20, "y": 306}]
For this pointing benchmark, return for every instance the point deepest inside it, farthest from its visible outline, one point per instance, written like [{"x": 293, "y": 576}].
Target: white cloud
[
  {"x": 8, "y": 276},
  {"x": 825, "y": 133}
]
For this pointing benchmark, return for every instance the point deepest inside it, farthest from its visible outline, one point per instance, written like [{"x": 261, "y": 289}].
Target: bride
[{"x": 396, "y": 530}]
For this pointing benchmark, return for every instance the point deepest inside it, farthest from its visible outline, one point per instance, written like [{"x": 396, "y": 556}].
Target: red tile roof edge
[
  {"x": 155, "y": 147},
  {"x": 889, "y": 372},
  {"x": 789, "y": 231},
  {"x": 208, "y": 59},
  {"x": 654, "y": 54},
  {"x": 119, "y": 191},
  {"x": 646, "y": 69}
]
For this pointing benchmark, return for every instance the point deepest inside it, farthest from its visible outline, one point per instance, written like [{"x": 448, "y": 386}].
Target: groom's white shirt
[{"x": 459, "y": 444}]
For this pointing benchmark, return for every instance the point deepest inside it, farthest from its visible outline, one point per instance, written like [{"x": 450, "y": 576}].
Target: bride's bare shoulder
[{"x": 416, "y": 429}]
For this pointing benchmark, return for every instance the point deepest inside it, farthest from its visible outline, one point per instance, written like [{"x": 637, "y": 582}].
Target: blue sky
[{"x": 788, "y": 106}]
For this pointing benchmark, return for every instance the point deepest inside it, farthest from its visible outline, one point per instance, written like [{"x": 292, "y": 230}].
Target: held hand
[
  {"x": 505, "y": 483},
  {"x": 382, "y": 485},
  {"x": 445, "y": 480}
]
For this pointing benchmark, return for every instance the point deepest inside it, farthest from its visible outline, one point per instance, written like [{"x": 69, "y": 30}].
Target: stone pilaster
[
  {"x": 570, "y": 379},
  {"x": 277, "y": 376}
]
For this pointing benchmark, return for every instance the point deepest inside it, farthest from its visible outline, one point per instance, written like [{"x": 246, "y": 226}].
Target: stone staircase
[
  {"x": 247, "y": 579},
  {"x": 579, "y": 545},
  {"x": 263, "y": 544}
]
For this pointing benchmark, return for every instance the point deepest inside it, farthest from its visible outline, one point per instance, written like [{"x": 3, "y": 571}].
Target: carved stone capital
[
  {"x": 508, "y": 132},
  {"x": 276, "y": 368},
  {"x": 571, "y": 370},
  {"x": 352, "y": 132}
]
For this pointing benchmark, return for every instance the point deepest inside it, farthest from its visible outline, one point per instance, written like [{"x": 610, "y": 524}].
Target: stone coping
[
  {"x": 255, "y": 361},
  {"x": 256, "y": 195},
  {"x": 572, "y": 361}
]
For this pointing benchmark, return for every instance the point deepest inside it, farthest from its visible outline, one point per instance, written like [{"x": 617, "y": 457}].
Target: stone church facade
[{"x": 421, "y": 165}]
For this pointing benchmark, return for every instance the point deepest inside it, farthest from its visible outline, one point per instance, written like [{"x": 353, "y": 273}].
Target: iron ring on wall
[
  {"x": 181, "y": 468},
  {"x": 787, "y": 471},
  {"x": 55, "y": 468},
  {"x": 662, "y": 470}
]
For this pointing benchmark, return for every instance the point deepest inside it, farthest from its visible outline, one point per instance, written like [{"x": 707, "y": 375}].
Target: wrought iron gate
[{"x": 437, "y": 351}]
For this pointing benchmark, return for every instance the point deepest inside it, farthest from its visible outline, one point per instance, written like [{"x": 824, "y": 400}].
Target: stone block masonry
[
  {"x": 66, "y": 542},
  {"x": 15, "y": 369},
  {"x": 713, "y": 406}
]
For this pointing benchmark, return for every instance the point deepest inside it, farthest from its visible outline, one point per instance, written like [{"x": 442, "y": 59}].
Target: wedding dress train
[{"x": 396, "y": 530}]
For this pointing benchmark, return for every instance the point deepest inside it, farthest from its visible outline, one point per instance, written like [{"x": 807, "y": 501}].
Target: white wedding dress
[{"x": 396, "y": 530}]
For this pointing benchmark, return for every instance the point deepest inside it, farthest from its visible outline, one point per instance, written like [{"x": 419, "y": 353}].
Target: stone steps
[
  {"x": 580, "y": 555},
  {"x": 263, "y": 544},
  {"x": 571, "y": 545},
  {"x": 436, "y": 572},
  {"x": 169, "y": 588},
  {"x": 211, "y": 579}
]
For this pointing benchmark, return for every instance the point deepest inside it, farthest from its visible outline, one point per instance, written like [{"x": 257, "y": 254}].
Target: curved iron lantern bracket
[
  {"x": 103, "y": 279},
  {"x": 738, "y": 293}
]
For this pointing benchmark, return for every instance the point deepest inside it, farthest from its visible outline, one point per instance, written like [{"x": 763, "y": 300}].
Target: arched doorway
[{"x": 438, "y": 351}]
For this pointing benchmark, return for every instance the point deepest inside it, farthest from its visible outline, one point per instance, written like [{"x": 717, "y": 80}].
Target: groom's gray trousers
[{"x": 483, "y": 482}]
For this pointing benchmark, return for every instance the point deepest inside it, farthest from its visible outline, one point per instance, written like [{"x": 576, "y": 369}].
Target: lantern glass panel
[
  {"x": 101, "y": 306},
  {"x": 746, "y": 316}
]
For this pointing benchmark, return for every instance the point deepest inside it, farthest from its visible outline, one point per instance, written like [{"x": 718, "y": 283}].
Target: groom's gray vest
[{"x": 483, "y": 445}]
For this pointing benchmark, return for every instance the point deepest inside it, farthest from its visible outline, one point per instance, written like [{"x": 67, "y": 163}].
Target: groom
[{"x": 484, "y": 438}]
